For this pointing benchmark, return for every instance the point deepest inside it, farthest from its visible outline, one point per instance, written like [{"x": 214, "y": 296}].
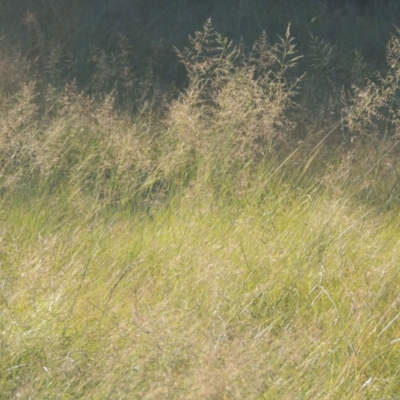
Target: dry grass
[
  {"x": 205, "y": 254},
  {"x": 296, "y": 298}
]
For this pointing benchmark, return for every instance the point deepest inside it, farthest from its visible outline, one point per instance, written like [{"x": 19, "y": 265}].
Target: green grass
[
  {"x": 201, "y": 250},
  {"x": 291, "y": 296}
]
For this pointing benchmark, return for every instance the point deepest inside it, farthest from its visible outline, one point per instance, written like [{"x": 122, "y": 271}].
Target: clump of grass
[
  {"x": 371, "y": 123},
  {"x": 377, "y": 101},
  {"x": 236, "y": 106},
  {"x": 75, "y": 141},
  {"x": 220, "y": 75}
]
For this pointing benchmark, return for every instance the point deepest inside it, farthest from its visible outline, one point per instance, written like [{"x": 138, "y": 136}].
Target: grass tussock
[{"x": 208, "y": 250}]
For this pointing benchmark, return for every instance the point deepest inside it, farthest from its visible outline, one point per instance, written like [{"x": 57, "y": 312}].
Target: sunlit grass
[
  {"x": 295, "y": 296},
  {"x": 204, "y": 254}
]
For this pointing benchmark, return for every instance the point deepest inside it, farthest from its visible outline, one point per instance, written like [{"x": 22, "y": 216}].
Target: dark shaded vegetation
[
  {"x": 128, "y": 46},
  {"x": 49, "y": 27}
]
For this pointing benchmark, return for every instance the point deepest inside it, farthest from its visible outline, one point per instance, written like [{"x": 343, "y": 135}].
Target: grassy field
[
  {"x": 289, "y": 292},
  {"x": 207, "y": 249}
]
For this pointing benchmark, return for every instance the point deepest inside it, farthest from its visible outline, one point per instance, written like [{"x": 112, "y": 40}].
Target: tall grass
[{"x": 203, "y": 251}]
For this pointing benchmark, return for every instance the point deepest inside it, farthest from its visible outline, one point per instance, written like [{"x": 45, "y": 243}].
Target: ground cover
[{"x": 207, "y": 248}]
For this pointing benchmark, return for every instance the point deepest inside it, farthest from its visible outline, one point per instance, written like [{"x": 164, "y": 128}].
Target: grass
[
  {"x": 203, "y": 251},
  {"x": 294, "y": 296}
]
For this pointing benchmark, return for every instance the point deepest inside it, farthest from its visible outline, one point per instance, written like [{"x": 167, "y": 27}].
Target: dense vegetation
[{"x": 199, "y": 200}]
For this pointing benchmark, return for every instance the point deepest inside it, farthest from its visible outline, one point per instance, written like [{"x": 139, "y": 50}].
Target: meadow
[{"x": 234, "y": 238}]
